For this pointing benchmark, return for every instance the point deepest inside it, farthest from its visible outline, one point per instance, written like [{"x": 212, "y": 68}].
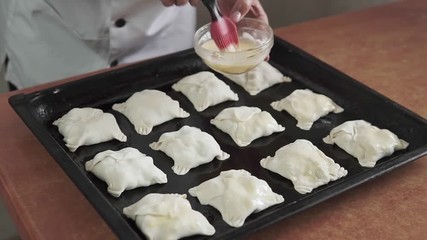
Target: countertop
[{"x": 383, "y": 47}]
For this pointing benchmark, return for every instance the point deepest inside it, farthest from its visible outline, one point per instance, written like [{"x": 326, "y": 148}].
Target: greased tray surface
[{"x": 39, "y": 109}]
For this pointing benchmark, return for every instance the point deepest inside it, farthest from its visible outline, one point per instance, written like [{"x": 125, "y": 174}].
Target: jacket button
[
  {"x": 114, "y": 63},
  {"x": 120, "y": 22}
]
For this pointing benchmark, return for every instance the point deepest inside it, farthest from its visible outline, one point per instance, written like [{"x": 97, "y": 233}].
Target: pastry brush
[{"x": 223, "y": 30}]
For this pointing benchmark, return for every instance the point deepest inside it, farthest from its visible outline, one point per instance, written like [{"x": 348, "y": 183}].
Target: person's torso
[{"x": 52, "y": 39}]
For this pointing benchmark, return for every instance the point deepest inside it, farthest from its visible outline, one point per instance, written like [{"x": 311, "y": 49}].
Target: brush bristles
[
  {"x": 225, "y": 43},
  {"x": 224, "y": 33}
]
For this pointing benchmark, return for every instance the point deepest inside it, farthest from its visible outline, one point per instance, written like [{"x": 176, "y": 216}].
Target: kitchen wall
[
  {"x": 280, "y": 12},
  {"x": 286, "y": 12}
]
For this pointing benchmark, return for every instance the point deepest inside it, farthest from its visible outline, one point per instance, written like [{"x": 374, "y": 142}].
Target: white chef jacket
[{"x": 47, "y": 40}]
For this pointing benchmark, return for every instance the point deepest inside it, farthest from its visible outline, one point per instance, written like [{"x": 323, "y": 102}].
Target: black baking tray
[{"x": 39, "y": 109}]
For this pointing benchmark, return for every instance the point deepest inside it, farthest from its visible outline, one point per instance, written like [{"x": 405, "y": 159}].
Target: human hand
[
  {"x": 234, "y": 9},
  {"x": 237, "y": 9}
]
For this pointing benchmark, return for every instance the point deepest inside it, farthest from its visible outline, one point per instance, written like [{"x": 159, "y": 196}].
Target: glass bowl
[{"x": 256, "y": 39}]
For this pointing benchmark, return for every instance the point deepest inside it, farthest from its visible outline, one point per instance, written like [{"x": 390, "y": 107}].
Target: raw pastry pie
[
  {"x": 245, "y": 124},
  {"x": 204, "y": 89},
  {"x": 124, "y": 170},
  {"x": 236, "y": 194},
  {"x": 150, "y": 108},
  {"x": 258, "y": 79},
  {"x": 167, "y": 216},
  {"x": 189, "y": 147},
  {"x": 364, "y": 141},
  {"x": 305, "y": 165},
  {"x": 87, "y": 126},
  {"x": 306, "y": 107}
]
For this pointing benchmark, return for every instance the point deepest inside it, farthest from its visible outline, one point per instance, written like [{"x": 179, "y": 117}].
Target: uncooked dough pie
[
  {"x": 125, "y": 169},
  {"x": 305, "y": 165},
  {"x": 150, "y": 108},
  {"x": 245, "y": 124},
  {"x": 306, "y": 107},
  {"x": 87, "y": 126},
  {"x": 167, "y": 216},
  {"x": 364, "y": 141},
  {"x": 236, "y": 194},
  {"x": 189, "y": 147},
  {"x": 204, "y": 89},
  {"x": 258, "y": 79}
]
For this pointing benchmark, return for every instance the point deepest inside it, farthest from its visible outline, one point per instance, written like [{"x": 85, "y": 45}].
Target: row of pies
[
  {"x": 301, "y": 162},
  {"x": 87, "y": 126},
  {"x": 234, "y": 193},
  {"x": 189, "y": 147}
]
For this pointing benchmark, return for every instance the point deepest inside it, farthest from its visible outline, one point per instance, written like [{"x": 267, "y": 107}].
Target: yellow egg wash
[
  {"x": 244, "y": 44},
  {"x": 236, "y": 67}
]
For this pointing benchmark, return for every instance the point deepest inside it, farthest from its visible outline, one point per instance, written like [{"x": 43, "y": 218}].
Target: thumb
[
  {"x": 250, "y": 8},
  {"x": 240, "y": 9}
]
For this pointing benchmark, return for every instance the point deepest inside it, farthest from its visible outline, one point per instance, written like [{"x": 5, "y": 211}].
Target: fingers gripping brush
[{"x": 223, "y": 30}]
